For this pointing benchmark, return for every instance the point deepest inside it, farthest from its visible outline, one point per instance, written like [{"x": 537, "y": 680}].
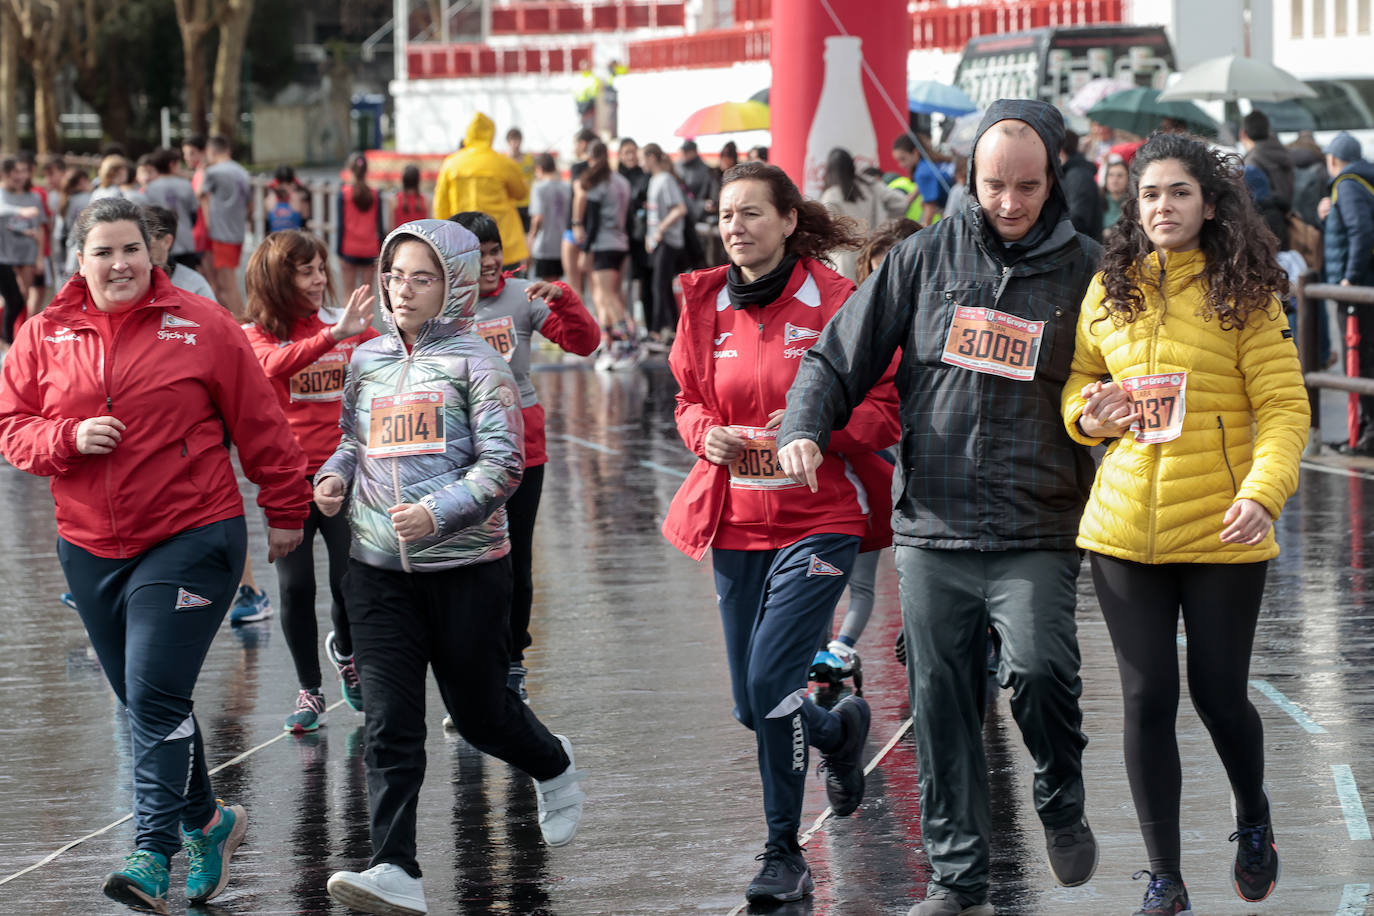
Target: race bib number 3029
[
  {"x": 1161, "y": 399},
  {"x": 322, "y": 380},
  {"x": 406, "y": 424},
  {"x": 996, "y": 343},
  {"x": 757, "y": 466}
]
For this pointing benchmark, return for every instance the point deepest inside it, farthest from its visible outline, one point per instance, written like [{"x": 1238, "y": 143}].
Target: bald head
[{"x": 1013, "y": 177}]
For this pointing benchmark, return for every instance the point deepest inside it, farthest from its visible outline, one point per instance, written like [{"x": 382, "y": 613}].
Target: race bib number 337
[
  {"x": 757, "y": 466},
  {"x": 406, "y": 424},
  {"x": 996, "y": 343},
  {"x": 1161, "y": 399}
]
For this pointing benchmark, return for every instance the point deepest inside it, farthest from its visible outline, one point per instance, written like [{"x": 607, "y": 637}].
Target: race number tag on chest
[
  {"x": 992, "y": 342},
  {"x": 1161, "y": 402},
  {"x": 406, "y": 424},
  {"x": 322, "y": 380},
  {"x": 757, "y": 466},
  {"x": 499, "y": 333}
]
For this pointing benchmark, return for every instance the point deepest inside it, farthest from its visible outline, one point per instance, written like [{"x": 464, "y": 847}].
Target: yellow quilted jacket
[{"x": 1244, "y": 426}]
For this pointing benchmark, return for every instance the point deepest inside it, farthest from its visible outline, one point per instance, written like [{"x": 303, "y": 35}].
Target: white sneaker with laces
[
  {"x": 844, "y": 653},
  {"x": 560, "y": 801},
  {"x": 383, "y": 890},
  {"x": 604, "y": 360}
]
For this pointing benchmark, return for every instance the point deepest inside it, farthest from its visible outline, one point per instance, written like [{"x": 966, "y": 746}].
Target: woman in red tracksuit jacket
[
  {"x": 122, "y": 391},
  {"x": 306, "y": 361},
  {"x": 781, "y": 553}
]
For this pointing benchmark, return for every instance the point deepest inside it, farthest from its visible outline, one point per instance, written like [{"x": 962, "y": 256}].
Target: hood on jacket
[
  {"x": 1359, "y": 167},
  {"x": 1048, "y": 125},
  {"x": 481, "y": 131},
  {"x": 458, "y": 251}
]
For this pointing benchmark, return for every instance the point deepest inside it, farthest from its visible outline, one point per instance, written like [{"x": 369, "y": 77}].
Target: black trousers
[
  {"x": 521, "y": 511},
  {"x": 667, "y": 262},
  {"x": 1220, "y": 604},
  {"x": 296, "y": 576},
  {"x": 452, "y": 620},
  {"x": 14, "y": 299}
]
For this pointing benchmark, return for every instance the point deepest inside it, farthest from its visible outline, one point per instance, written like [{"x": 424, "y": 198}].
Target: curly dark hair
[
  {"x": 818, "y": 232},
  {"x": 1241, "y": 276}
]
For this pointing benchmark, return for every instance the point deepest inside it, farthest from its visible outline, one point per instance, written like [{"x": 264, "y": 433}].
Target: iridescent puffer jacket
[{"x": 467, "y": 484}]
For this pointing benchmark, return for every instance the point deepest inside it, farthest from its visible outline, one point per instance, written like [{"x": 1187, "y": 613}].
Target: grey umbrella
[{"x": 1234, "y": 77}]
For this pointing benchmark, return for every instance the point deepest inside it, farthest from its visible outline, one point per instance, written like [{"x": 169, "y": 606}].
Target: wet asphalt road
[{"x": 628, "y": 661}]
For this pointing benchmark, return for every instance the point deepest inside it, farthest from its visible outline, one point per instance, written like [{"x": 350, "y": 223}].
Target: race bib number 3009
[
  {"x": 996, "y": 343},
  {"x": 757, "y": 466},
  {"x": 1161, "y": 399},
  {"x": 406, "y": 424}
]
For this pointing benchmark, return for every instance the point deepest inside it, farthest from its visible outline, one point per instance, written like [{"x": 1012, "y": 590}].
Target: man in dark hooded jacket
[{"x": 983, "y": 306}]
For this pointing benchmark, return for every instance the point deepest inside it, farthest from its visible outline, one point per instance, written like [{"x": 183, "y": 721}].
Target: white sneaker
[
  {"x": 604, "y": 361},
  {"x": 449, "y": 724},
  {"x": 628, "y": 359},
  {"x": 384, "y": 890},
  {"x": 841, "y": 651},
  {"x": 560, "y": 801}
]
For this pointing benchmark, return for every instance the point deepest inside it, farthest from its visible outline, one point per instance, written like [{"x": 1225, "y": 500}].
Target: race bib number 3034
[
  {"x": 1161, "y": 399},
  {"x": 406, "y": 424},
  {"x": 757, "y": 466},
  {"x": 992, "y": 342}
]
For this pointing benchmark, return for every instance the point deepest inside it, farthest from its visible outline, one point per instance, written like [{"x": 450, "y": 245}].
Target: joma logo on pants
[{"x": 798, "y": 745}]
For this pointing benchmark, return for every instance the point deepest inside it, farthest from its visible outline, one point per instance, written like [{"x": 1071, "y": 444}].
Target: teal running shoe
[
  {"x": 141, "y": 882},
  {"x": 309, "y": 713},
  {"x": 209, "y": 854},
  {"x": 349, "y": 684},
  {"x": 250, "y": 606}
]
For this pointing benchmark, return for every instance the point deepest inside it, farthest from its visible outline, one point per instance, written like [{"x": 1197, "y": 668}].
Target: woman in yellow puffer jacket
[{"x": 1185, "y": 365}]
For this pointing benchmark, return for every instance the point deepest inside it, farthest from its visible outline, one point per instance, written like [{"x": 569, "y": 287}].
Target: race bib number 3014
[
  {"x": 757, "y": 466},
  {"x": 992, "y": 342},
  {"x": 406, "y": 424},
  {"x": 1161, "y": 399}
]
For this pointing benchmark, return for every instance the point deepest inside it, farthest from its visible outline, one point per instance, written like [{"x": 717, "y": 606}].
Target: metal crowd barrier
[{"x": 1315, "y": 375}]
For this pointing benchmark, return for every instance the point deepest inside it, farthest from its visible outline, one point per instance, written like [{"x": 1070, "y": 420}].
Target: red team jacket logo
[{"x": 794, "y": 335}]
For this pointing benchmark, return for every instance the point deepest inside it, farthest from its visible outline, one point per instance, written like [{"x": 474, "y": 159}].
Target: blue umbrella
[{"x": 930, "y": 97}]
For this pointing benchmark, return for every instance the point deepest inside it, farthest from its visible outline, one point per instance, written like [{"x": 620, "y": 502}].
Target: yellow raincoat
[{"x": 477, "y": 177}]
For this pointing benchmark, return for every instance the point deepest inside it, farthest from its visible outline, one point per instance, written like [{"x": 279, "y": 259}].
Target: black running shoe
[
  {"x": 844, "y": 769},
  {"x": 1072, "y": 853},
  {"x": 783, "y": 877},
  {"x": 1257, "y": 862},
  {"x": 1164, "y": 896}
]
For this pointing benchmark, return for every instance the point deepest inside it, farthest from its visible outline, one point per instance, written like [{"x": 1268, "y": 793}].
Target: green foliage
[{"x": 272, "y": 43}]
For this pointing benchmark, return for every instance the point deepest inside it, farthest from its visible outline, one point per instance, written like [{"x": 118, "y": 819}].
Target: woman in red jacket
[
  {"x": 360, "y": 227},
  {"x": 781, "y": 553},
  {"x": 306, "y": 361},
  {"x": 122, "y": 391}
]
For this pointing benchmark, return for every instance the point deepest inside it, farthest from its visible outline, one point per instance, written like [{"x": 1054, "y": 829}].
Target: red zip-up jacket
[
  {"x": 180, "y": 375},
  {"x": 307, "y": 372},
  {"x": 734, "y": 367}
]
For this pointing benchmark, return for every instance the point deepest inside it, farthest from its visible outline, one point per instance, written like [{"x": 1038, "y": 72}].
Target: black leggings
[
  {"x": 14, "y": 299},
  {"x": 296, "y": 576},
  {"x": 521, "y": 510},
  {"x": 1220, "y": 605},
  {"x": 667, "y": 262}
]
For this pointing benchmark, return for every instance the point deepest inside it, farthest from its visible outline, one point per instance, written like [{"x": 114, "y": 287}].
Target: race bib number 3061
[
  {"x": 757, "y": 466},
  {"x": 406, "y": 424},
  {"x": 996, "y": 343},
  {"x": 1161, "y": 399}
]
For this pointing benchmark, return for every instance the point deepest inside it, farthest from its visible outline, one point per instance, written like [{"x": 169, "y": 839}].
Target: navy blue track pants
[
  {"x": 775, "y": 605},
  {"x": 151, "y": 619}
]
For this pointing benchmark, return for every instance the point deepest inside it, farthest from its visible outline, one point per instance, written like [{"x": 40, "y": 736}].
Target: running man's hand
[
  {"x": 329, "y": 495},
  {"x": 281, "y": 541},
  {"x": 357, "y": 314},
  {"x": 1109, "y": 412},
  {"x": 98, "y": 435},
  {"x": 1247, "y": 522},
  {"x": 775, "y": 418},
  {"x": 723, "y": 445},
  {"x": 542, "y": 289},
  {"x": 412, "y": 521},
  {"x": 799, "y": 460}
]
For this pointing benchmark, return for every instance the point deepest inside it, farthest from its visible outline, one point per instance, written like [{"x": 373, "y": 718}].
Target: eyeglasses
[{"x": 418, "y": 282}]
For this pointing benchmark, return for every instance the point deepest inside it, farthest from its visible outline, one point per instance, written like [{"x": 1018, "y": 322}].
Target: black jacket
[
  {"x": 1272, "y": 156},
  {"x": 985, "y": 461},
  {"x": 1085, "y": 200}
]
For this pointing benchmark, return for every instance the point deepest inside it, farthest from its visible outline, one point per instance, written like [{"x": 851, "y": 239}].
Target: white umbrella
[
  {"x": 1233, "y": 77},
  {"x": 1094, "y": 91}
]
